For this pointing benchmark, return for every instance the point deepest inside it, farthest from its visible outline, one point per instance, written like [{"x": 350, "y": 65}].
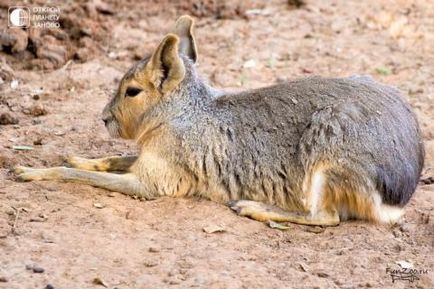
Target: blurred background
[{"x": 54, "y": 83}]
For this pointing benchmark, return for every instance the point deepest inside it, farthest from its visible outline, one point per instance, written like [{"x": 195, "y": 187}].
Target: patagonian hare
[{"x": 312, "y": 151}]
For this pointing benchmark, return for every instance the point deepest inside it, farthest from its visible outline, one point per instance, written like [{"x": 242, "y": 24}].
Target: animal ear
[
  {"x": 184, "y": 27},
  {"x": 166, "y": 67}
]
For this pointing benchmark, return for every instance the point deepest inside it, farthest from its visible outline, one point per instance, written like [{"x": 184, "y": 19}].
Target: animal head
[{"x": 151, "y": 81}]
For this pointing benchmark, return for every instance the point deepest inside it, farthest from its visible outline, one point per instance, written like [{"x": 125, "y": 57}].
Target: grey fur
[
  {"x": 321, "y": 149},
  {"x": 260, "y": 144}
]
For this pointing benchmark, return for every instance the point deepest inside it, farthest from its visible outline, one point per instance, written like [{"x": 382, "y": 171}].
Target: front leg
[
  {"x": 113, "y": 163},
  {"x": 128, "y": 183}
]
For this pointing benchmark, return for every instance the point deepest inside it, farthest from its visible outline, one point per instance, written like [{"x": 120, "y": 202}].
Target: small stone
[
  {"x": 37, "y": 142},
  {"x": 37, "y": 110},
  {"x": 296, "y": 3},
  {"x": 397, "y": 248},
  {"x": 99, "y": 205},
  {"x": 405, "y": 264},
  {"x": 322, "y": 274},
  {"x": 405, "y": 228},
  {"x": 6, "y": 118},
  {"x": 213, "y": 229},
  {"x": 10, "y": 212},
  {"x": 3, "y": 279},
  {"x": 251, "y": 63},
  {"x": 49, "y": 286},
  {"x": 150, "y": 264},
  {"x": 303, "y": 267},
  {"x": 14, "y": 84},
  {"x": 397, "y": 233},
  {"x": 37, "y": 269},
  {"x": 153, "y": 250},
  {"x": 306, "y": 70},
  {"x": 99, "y": 281}
]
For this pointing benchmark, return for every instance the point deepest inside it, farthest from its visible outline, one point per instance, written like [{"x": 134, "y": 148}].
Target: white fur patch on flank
[
  {"x": 317, "y": 186},
  {"x": 389, "y": 214},
  {"x": 386, "y": 213}
]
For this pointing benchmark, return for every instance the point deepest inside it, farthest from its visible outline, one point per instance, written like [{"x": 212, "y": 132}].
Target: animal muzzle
[{"x": 111, "y": 125}]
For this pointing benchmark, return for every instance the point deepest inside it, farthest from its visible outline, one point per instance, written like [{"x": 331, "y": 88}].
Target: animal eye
[{"x": 132, "y": 91}]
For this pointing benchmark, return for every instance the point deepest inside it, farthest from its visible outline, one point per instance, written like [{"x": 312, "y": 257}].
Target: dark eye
[{"x": 132, "y": 91}]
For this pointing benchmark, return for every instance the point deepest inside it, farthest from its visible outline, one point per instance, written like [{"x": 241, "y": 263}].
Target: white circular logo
[{"x": 19, "y": 17}]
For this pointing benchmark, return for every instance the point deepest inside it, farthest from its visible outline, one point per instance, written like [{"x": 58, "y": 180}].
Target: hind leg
[
  {"x": 264, "y": 212},
  {"x": 318, "y": 209}
]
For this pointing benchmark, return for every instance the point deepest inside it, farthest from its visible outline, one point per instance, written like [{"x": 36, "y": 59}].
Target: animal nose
[{"x": 105, "y": 120}]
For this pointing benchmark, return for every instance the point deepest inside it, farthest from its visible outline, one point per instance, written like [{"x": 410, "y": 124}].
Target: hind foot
[{"x": 263, "y": 212}]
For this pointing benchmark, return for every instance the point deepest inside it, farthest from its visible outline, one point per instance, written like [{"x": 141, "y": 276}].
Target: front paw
[{"x": 26, "y": 174}]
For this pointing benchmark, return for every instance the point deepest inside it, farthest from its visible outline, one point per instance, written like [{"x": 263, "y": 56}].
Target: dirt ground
[{"x": 83, "y": 237}]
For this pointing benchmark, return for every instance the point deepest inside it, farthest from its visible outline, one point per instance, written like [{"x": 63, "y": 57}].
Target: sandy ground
[{"x": 81, "y": 236}]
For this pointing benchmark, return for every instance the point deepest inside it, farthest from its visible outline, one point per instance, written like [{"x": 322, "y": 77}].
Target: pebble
[
  {"x": 37, "y": 269},
  {"x": 37, "y": 142},
  {"x": 405, "y": 228},
  {"x": 6, "y": 118},
  {"x": 37, "y": 110},
  {"x": 36, "y": 121},
  {"x": 49, "y": 286},
  {"x": 99, "y": 205},
  {"x": 150, "y": 264},
  {"x": 322, "y": 274},
  {"x": 10, "y": 212},
  {"x": 397, "y": 233},
  {"x": 3, "y": 279},
  {"x": 153, "y": 250},
  {"x": 213, "y": 229}
]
